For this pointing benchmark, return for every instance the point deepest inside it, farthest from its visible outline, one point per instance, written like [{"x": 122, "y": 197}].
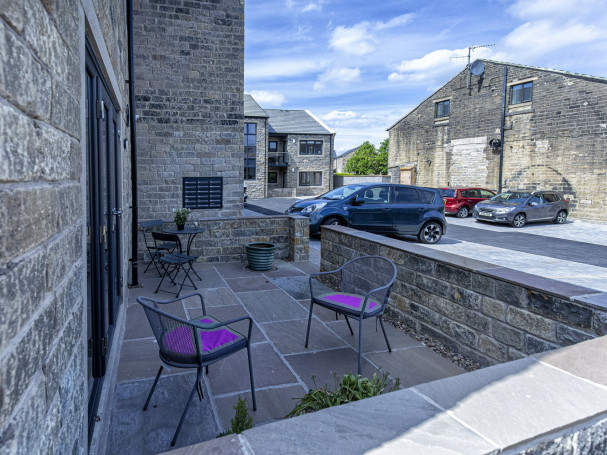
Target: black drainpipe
[
  {"x": 499, "y": 190},
  {"x": 133, "y": 122}
]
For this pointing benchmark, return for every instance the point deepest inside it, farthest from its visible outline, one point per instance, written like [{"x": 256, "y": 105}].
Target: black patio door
[{"x": 103, "y": 226}]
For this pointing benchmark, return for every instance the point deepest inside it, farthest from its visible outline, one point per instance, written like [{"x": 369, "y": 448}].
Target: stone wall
[
  {"x": 342, "y": 180},
  {"x": 488, "y": 313},
  {"x": 43, "y": 378},
  {"x": 557, "y": 141},
  {"x": 225, "y": 238},
  {"x": 189, "y": 65}
]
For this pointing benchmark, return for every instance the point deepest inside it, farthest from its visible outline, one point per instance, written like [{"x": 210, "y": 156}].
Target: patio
[{"x": 278, "y": 302}]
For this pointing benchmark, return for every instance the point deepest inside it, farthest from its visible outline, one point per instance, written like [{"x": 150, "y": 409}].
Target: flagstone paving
[{"x": 278, "y": 301}]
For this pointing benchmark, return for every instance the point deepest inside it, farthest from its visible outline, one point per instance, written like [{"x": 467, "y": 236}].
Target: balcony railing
[{"x": 278, "y": 159}]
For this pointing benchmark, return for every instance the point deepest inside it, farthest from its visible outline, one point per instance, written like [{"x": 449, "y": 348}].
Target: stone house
[
  {"x": 74, "y": 179},
  {"x": 288, "y": 153},
  {"x": 552, "y": 134},
  {"x": 342, "y": 160}
]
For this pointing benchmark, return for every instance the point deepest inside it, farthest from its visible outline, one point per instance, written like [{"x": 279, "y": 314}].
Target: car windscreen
[
  {"x": 341, "y": 192},
  {"x": 514, "y": 197},
  {"x": 446, "y": 192}
]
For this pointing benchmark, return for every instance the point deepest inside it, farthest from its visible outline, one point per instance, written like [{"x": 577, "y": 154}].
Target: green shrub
[
  {"x": 352, "y": 388},
  {"x": 242, "y": 420}
]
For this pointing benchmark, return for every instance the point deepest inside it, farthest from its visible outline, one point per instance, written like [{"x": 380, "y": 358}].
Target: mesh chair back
[
  {"x": 176, "y": 337},
  {"x": 164, "y": 237},
  {"x": 364, "y": 274}
]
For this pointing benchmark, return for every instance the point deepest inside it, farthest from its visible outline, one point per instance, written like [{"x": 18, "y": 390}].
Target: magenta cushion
[
  {"x": 354, "y": 301},
  {"x": 179, "y": 340}
]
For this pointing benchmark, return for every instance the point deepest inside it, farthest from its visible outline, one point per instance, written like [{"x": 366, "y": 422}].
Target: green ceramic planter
[{"x": 260, "y": 256}]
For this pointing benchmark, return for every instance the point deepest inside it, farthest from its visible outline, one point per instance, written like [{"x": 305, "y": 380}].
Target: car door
[
  {"x": 551, "y": 205},
  {"x": 535, "y": 208},
  {"x": 407, "y": 210},
  {"x": 372, "y": 211}
]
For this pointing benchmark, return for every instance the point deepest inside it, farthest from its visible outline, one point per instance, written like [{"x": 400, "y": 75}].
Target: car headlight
[
  {"x": 314, "y": 207},
  {"x": 505, "y": 210}
]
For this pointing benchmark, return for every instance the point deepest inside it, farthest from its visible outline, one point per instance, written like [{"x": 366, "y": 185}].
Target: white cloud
[
  {"x": 395, "y": 21},
  {"x": 564, "y": 9},
  {"x": 280, "y": 67},
  {"x": 339, "y": 115},
  {"x": 337, "y": 76},
  {"x": 355, "y": 40},
  {"x": 269, "y": 99},
  {"x": 311, "y": 7},
  {"x": 304, "y": 6}
]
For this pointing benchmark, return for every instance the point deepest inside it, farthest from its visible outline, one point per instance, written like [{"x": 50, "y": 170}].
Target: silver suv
[{"x": 521, "y": 207}]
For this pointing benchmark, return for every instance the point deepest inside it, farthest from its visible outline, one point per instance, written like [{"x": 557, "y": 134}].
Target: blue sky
[{"x": 361, "y": 65}]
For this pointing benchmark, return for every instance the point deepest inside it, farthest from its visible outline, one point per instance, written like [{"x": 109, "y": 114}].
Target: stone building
[
  {"x": 342, "y": 160},
  {"x": 67, "y": 174},
  {"x": 554, "y": 134},
  {"x": 287, "y": 152}
]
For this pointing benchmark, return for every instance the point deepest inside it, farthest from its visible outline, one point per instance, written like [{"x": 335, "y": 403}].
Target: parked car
[
  {"x": 381, "y": 208},
  {"x": 521, "y": 207},
  {"x": 461, "y": 201}
]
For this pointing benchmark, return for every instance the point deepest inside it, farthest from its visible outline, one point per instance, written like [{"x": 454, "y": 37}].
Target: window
[
  {"x": 272, "y": 146},
  {"x": 377, "y": 195},
  {"x": 310, "y": 147},
  {"x": 521, "y": 93},
  {"x": 203, "y": 192},
  {"x": 426, "y": 196},
  {"x": 441, "y": 109},
  {"x": 406, "y": 196},
  {"x": 250, "y": 150},
  {"x": 310, "y": 179},
  {"x": 486, "y": 194},
  {"x": 272, "y": 177},
  {"x": 551, "y": 197}
]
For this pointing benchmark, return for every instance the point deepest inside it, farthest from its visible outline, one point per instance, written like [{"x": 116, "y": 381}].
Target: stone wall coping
[
  {"x": 544, "y": 401},
  {"x": 565, "y": 291}
]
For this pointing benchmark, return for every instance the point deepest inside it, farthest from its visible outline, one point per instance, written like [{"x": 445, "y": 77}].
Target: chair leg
[
  {"x": 153, "y": 387},
  {"x": 251, "y": 376},
  {"x": 185, "y": 411},
  {"x": 349, "y": 326},
  {"x": 381, "y": 323},
  {"x": 309, "y": 322},
  {"x": 360, "y": 345},
  {"x": 161, "y": 280}
]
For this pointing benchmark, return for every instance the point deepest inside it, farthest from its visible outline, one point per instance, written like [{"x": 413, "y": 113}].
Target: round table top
[{"x": 185, "y": 230}]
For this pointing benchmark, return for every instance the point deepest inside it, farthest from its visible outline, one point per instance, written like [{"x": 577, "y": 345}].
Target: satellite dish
[{"x": 477, "y": 68}]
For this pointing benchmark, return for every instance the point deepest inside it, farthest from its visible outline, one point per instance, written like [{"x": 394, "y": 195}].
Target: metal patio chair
[
  {"x": 364, "y": 285},
  {"x": 155, "y": 250},
  {"x": 173, "y": 262},
  {"x": 196, "y": 344}
]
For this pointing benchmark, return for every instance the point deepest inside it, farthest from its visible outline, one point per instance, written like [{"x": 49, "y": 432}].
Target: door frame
[{"x": 103, "y": 166}]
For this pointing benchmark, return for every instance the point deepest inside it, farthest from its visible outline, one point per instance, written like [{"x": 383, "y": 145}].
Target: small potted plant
[{"x": 181, "y": 216}]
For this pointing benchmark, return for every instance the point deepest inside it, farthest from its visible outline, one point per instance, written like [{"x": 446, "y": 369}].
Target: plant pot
[
  {"x": 260, "y": 256},
  {"x": 180, "y": 227}
]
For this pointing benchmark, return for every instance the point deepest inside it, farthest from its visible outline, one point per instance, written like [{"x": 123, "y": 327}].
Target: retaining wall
[
  {"x": 225, "y": 238},
  {"x": 488, "y": 313}
]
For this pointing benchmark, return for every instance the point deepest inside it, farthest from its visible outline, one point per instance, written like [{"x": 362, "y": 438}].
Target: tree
[{"x": 369, "y": 161}]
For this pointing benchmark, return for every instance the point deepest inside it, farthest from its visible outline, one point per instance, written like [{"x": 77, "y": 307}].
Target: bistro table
[{"x": 191, "y": 232}]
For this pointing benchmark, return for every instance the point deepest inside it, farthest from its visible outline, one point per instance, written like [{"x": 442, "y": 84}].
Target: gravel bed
[{"x": 436, "y": 346}]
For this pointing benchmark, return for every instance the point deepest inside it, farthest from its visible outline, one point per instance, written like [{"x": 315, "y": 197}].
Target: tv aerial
[{"x": 479, "y": 67}]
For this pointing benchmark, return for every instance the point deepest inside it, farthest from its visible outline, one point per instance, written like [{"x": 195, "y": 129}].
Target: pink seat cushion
[
  {"x": 349, "y": 300},
  {"x": 180, "y": 340}
]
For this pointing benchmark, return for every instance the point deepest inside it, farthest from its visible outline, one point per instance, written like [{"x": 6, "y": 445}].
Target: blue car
[{"x": 381, "y": 208}]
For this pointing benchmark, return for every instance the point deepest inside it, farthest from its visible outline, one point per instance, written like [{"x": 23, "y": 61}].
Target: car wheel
[
  {"x": 431, "y": 233},
  {"x": 332, "y": 220},
  {"x": 463, "y": 212},
  {"x": 561, "y": 217},
  {"x": 519, "y": 220}
]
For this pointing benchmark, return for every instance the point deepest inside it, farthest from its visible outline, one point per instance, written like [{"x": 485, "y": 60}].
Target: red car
[{"x": 461, "y": 201}]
